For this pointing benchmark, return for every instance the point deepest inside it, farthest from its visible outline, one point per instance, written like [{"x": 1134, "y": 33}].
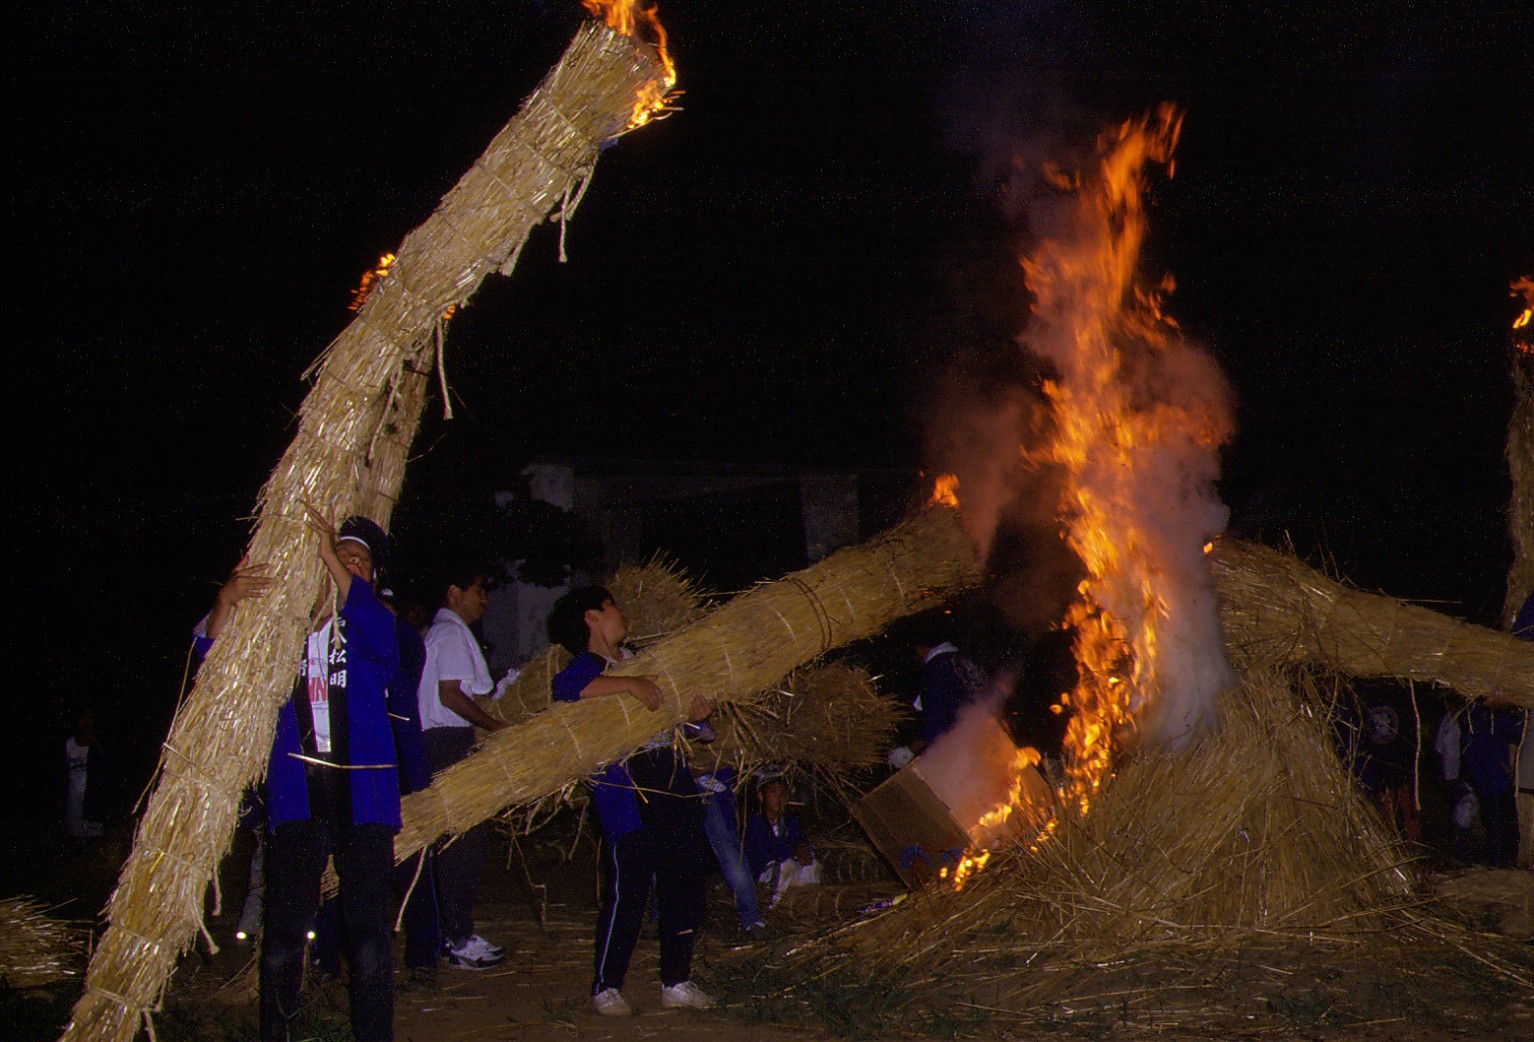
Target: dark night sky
[{"x": 763, "y": 278}]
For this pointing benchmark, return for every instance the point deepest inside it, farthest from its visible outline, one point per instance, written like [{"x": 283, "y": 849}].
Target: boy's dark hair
[
  {"x": 928, "y": 629},
  {"x": 460, "y": 573},
  {"x": 567, "y": 619},
  {"x": 366, "y": 531}
]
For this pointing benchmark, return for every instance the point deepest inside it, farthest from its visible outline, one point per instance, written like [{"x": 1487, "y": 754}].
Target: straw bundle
[
  {"x": 347, "y": 456},
  {"x": 731, "y": 655},
  {"x": 36, "y": 950},
  {"x": 827, "y": 720},
  {"x": 532, "y": 691},
  {"x": 1275, "y": 608},
  {"x": 1520, "y": 467},
  {"x": 658, "y": 597},
  {"x": 1256, "y": 830}
]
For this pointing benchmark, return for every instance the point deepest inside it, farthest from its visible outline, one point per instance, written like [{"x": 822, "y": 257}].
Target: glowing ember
[
  {"x": 1524, "y": 287},
  {"x": 628, "y": 17},
  {"x": 373, "y": 277},
  {"x": 967, "y": 867},
  {"x": 945, "y": 491},
  {"x": 370, "y": 278}
]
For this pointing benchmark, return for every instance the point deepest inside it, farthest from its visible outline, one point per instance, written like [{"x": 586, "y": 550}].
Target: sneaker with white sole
[
  {"x": 685, "y": 995},
  {"x": 493, "y": 949},
  {"x": 610, "y": 1003},
  {"x": 470, "y": 955}
]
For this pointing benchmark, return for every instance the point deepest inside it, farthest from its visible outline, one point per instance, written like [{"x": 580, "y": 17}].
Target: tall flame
[
  {"x": 631, "y": 19},
  {"x": 1138, "y": 417}
]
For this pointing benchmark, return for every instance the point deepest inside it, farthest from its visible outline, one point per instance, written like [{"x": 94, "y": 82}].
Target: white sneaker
[
  {"x": 491, "y": 949},
  {"x": 610, "y": 1003},
  {"x": 470, "y": 956},
  {"x": 685, "y": 995}
]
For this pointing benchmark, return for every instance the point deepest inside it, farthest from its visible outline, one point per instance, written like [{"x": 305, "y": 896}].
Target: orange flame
[
  {"x": 373, "y": 277},
  {"x": 1523, "y": 287},
  {"x": 1129, "y": 407},
  {"x": 628, "y": 18},
  {"x": 1086, "y": 284},
  {"x": 945, "y": 491},
  {"x": 370, "y": 278}
]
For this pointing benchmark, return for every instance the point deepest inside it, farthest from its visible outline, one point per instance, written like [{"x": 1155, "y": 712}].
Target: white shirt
[{"x": 452, "y": 653}]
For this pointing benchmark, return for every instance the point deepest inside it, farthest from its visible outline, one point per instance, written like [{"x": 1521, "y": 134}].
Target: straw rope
[
  {"x": 347, "y": 456},
  {"x": 770, "y": 630},
  {"x": 1274, "y": 607}
]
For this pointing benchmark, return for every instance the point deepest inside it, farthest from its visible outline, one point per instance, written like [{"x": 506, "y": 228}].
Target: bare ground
[{"x": 544, "y": 915}]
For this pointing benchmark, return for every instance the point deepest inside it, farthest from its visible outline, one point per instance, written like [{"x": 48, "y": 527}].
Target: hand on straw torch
[
  {"x": 344, "y": 560},
  {"x": 643, "y": 688},
  {"x": 244, "y": 582}
]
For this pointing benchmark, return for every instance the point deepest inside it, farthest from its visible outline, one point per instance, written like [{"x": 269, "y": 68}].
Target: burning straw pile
[
  {"x": 348, "y": 456},
  {"x": 1255, "y": 838},
  {"x": 1258, "y": 829}
]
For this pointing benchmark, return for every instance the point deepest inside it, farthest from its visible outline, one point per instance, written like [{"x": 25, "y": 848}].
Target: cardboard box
[
  {"x": 911, "y": 827},
  {"x": 926, "y": 816}
]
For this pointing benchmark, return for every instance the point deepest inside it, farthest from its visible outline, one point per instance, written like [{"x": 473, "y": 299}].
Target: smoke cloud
[{"x": 1106, "y": 433}]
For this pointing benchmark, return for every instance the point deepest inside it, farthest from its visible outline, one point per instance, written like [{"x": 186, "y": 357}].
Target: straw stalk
[{"x": 347, "y": 456}]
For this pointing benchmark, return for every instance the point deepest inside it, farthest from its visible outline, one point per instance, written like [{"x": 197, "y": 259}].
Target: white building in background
[{"x": 729, "y": 526}]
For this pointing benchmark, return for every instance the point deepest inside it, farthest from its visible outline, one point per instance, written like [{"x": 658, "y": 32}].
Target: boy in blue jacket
[
  {"x": 776, "y": 847},
  {"x": 331, "y": 784},
  {"x": 659, "y": 837}
]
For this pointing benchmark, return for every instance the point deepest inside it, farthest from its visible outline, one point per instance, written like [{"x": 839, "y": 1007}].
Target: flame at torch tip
[
  {"x": 945, "y": 491},
  {"x": 626, "y": 17}
]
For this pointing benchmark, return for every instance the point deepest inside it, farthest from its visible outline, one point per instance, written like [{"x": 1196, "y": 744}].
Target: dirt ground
[{"x": 542, "y": 908}]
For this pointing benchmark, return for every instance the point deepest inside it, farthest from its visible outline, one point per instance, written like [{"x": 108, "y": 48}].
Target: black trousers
[
  {"x": 1499, "y": 813},
  {"x": 295, "y": 863},
  {"x": 671, "y": 851},
  {"x": 459, "y": 864},
  {"x": 423, "y": 942}
]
